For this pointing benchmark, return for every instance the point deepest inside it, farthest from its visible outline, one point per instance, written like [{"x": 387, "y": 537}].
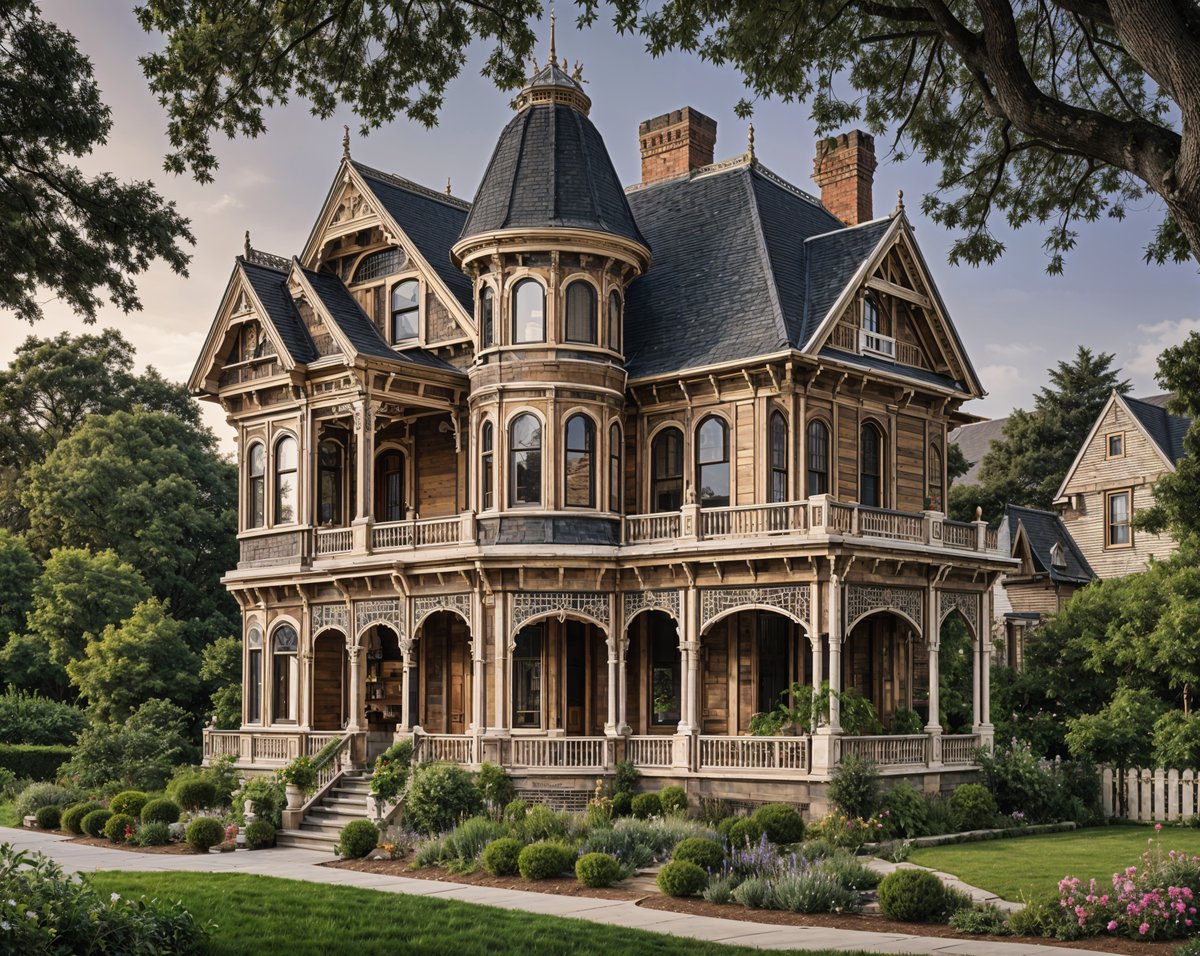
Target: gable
[{"x": 1142, "y": 461}]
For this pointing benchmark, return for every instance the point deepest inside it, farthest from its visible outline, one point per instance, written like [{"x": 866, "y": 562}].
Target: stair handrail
[{"x": 329, "y": 764}]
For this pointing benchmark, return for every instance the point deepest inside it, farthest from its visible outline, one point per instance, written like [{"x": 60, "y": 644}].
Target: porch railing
[
  {"x": 896, "y": 525},
  {"x": 334, "y": 540},
  {"x": 222, "y": 743},
  {"x": 270, "y": 747},
  {"x": 754, "y": 519},
  {"x": 452, "y": 748},
  {"x": 656, "y": 527},
  {"x": 890, "y": 751},
  {"x": 959, "y": 748},
  {"x": 754, "y": 753},
  {"x": 418, "y": 533},
  {"x": 559, "y": 752},
  {"x": 960, "y": 534},
  {"x": 650, "y": 751}
]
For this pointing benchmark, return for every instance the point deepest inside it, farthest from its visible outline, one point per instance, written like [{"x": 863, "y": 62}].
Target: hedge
[{"x": 34, "y": 761}]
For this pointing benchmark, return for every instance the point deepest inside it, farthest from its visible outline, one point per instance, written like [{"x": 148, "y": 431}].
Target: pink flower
[
  {"x": 1158, "y": 828},
  {"x": 1144, "y": 928},
  {"x": 1112, "y": 925}
]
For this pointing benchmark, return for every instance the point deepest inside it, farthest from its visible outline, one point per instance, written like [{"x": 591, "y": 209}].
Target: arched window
[
  {"x": 284, "y": 672},
  {"x": 579, "y": 465},
  {"x": 256, "y": 481},
  {"x": 487, "y": 470},
  {"x": 614, "y": 467},
  {"x": 614, "y": 321},
  {"x": 712, "y": 463},
  {"x": 666, "y": 489},
  {"x": 935, "y": 477},
  {"x": 390, "y": 503},
  {"x": 254, "y": 662},
  {"x": 525, "y": 461},
  {"x": 286, "y": 461},
  {"x": 377, "y": 265},
  {"x": 487, "y": 316},
  {"x": 870, "y": 468},
  {"x": 406, "y": 309},
  {"x": 329, "y": 483},
  {"x": 818, "y": 458},
  {"x": 581, "y": 313},
  {"x": 528, "y": 312},
  {"x": 779, "y": 456}
]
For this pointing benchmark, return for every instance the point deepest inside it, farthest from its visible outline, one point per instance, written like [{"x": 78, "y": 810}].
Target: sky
[{"x": 1014, "y": 318}]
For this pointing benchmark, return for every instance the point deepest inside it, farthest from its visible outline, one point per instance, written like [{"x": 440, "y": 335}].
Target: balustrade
[
  {"x": 959, "y": 748},
  {"x": 452, "y": 748},
  {"x": 334, "y": 541},
  {"x": 890, "y": 751},
  {"x": 559, "y": 752},
  {"x": 650, "y": 751},
  {"x": 754, "y": 753}
]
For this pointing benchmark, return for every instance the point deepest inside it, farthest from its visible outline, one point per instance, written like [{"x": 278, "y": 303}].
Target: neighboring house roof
[
  {"x": 1042, "y": 530},
  {"x": 270, "y": 285},
  {"x": 974, "y": 441},
  {"x": 1165, "y": 430}
]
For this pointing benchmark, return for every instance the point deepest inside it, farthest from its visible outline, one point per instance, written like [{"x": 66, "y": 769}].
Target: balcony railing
[
  {"x": 417, "y": 533},
  {"x": 657, "y": 527},
  {"x": 959, "y": 749},
  {"x": 334, "y": 541},
  {"x": 850, "y": 338},
  {"x": 876, "y": 342},
  {"x": 754, "y": 520}
]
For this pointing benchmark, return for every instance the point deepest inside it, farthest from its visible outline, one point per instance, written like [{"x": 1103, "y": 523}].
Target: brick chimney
[
  {"x": 676, "y": 143},
  {"x": 845, "y": 171}
]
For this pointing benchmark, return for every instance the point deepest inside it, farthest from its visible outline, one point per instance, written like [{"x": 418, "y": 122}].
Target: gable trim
[{"x": 345, "y": 346}]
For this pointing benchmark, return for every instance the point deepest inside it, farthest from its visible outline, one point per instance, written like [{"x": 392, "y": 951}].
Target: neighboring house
[
  {"x": 975, "y": 440},
  {"x": 576, "y": 473}
]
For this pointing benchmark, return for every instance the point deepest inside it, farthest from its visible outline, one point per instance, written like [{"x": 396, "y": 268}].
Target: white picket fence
[{"x": 1150, "y": 795}]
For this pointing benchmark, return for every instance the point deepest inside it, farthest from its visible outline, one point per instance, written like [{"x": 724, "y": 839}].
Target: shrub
[
  {"x": 720, "y": 889},
  {"x": 392, "y": 768},
  {"x": 152, "y": 834},
  {"x": 973, "y": 806},
  {"x": 905, "y": 721},
  {"x": 93, "y": 823},
  {"x": 500, "y": 856},
  {"x": 754, "y": 893},
  {"x": 260, "y": 835},
  {"x": 466, "y": 842},
  {"x": 34, "y": 761},
  {"x": 541, "y": 861},
  {"x": 597, "y": 869},
  {"x": 30, "y": 719},
  {"x": 495, "y": 785},
  {"x": 622, "y": 803},
  {"x": 358, "y": 838},
  {"x": 625, "y": 777},
  {"x": 912, "y": 896},
  {"x": 221, "y": 773},
  {"x": 811, "y": 891},
  {"x": 1041, "y": 916},
  {"x": 985, "y": 919},
  {"x": 745, "y": 831},
  {"x": 706, "y": 854},
  {"x": 939, "y": 817},
  {"x": 854, "y": 787},
  {"x": 266, "y": 797},
  {"x": 130, "y": 802},
  {"x": 429, "y": 852},
  {"x": 196, "y": 793},
  {"x": 49, "y": 817},
  {"x": 673, "y": 799},
  {"x": 646, "y": 805},
  {"x": 162, "y": 810},
  {"x": 117, "y": 824},
  {"x": 542, "y": 823},
  {"x": 629, "y": 846},
  {"x": 849, "y": 871},
  {"x": 204, "y": 833},
  {"x": 681, "y": 878},
  {"x": 905, "y": 813},
  {"x": 140, "y": 753},
  {"x": 8, "y": 784},
  {"x": 38, "y": 795},
  {"x": 781, "y": 822},
  {"x": 439, "y": 796},
  {"x": 72, "y": 818},
  {"x": 515, "y": 811}
]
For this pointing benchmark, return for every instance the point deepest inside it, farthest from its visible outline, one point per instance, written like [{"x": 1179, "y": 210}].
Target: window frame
[
  {"x": 591, "y": 316},
  {"x": 936, "y": 470},
  {"x": 487, "y": 316},
  {"x": 778, "y": 490},
  {"x": 1108, "y": 439},
  {"x": 254, "y": 675},
  {"x": 290, "y": 698},
  {"x": 379, "y": 255},
  {"x": 279, "y": 473},
  {"x": 1109, "y": 524},
  {"x": 725, "y": 461},
  {"x": 514, "y": 291},
  {"x": 339, "y": 483},
  {"x": 586, "y": 452},
  {"x": 813, "y": 448},
  {"x": 382, "y": 502},
  {"x": 871, "y": 306},
  {"x": 256, "y": 487},
  {"x": 880, "y": 492},
  {"x": 513, "y": 451},
  {"x": 487, "y": 466},
  {"x": 413, "y": 310},
  {"x": 615, "y": 474},
  {"x": 615, "y": 323},
  {"x": 655, "y": 478}
]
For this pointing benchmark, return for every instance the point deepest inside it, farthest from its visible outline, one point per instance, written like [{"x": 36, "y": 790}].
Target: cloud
[
  {"x": 1007, "y": 388},
  {"x": 1013, "y": 350},
  {"x": 1152, "y": 339}
]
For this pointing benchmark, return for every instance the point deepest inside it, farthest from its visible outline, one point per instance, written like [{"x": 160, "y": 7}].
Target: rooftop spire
[
  {"x": 750, "y": 141},
  {"x": 345, "y": 142},
  {"x": 246, "y": 247},
  {"x": 552, "y": 57}
]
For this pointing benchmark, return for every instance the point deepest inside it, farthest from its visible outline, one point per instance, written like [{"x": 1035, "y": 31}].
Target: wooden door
[
  {"x": 434, "y": 680},
  {"x": 457, "y": 678}
]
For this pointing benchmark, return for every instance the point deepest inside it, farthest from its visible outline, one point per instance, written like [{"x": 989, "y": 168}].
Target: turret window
[
  {"x": 254, "y": 662},
  {"x": 286, "y": 460},
  {"x": 525, "y": 461},
  {"x": 256, "y": 480},
  {"x": 487, "y": 474},
  {"x": 712, "y": 463},
  {"x": 329, "y": 483},
  {"x": 666, "y": 491},
  {"x": 581, "y": 313},
  {"x": 528, "y": 312},
  {"x": 487, "y": 316},
  {"x": 614, "y": 321},
  {"x": 406, "y": 310},
  {"x": 579, "y": 471},
  {"x": 818, "y": 458},
  {"x": 779, "y": 453}
]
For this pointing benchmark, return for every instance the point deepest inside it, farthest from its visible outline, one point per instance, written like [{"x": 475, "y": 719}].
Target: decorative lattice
[
  {"x": 665, "y": 601},
  {"x": 793, "y": 600},
  {"x": 863, "y": 599},
  {"x": 526, "y": 605},
  {"x": 330, "y": 617},
  {"x": 458, "y": 603},
  {"x": 965, "y": 602},
  {"x": 389, "y": 612}
]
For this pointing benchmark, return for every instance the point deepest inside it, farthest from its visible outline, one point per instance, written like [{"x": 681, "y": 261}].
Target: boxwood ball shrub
[
  {"x": 128, "y": 801},
  {"x": 622, "y": 803},
  {"x": 541, "y": 861},
  {"x": 358, "y": 839},
  {"x": 912, "y": 896},
  {"x": 673, "y": 799},
  {"x": 196, "y": 793},
  {"x": 93, "y": 823},
  {"x": 515, "y": 811},
  {"x": 115, "y": 828},
  {"x": 646, "y": 805},
  {"x": 681, "y": 878},
  {"x": 973, "y": 806},
  {"x": 440, "y": 795},
  {"x": 260, "y": 835},
  {"x": 49, "y": 818},
  {"x": 597, "y": 869},
  {"x": 706, "y": 854},
  {"x": 745, "y": 830},
  {"x": 162, "y": 810},
  {"x": 72, "y": 818},
  {"x": 203, "y": 834},
  {"x": 500, "y": 856},
  {"x": 781, "y": 822}
]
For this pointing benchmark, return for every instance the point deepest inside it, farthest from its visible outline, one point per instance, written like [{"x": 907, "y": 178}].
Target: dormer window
[
  {"x": 581, "y": 313},
  {"x": 1058, "y": 556},
  {"x": 406, "y": 309}
]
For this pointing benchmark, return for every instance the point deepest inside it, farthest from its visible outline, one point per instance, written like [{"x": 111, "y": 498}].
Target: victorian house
[{"x": 576, "y": 473}]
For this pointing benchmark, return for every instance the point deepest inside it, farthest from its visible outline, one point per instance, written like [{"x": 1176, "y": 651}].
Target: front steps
[{"x": 323, "y": 823}]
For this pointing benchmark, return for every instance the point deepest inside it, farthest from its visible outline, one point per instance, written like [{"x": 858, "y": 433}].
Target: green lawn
[
  {"x": 1035, "y": 864},
  {"x": 8, "y": 814},
  {"x": 260, "y": 914}
]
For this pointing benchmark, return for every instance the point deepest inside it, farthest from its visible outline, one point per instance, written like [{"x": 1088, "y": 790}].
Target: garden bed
[{"x": 175, "y": 848}]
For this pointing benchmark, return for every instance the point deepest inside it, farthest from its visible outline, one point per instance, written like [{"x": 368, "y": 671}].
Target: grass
[
  {"x": 262, "y": 914},
  {"x": 1033, "y": 865},
  {"x": 8, "y": 814}
]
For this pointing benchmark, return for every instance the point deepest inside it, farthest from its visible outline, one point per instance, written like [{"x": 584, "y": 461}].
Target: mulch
[{"x": 175, "y": 848}]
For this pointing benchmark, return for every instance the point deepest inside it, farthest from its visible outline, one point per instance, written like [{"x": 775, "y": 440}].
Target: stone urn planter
[{"x": 295, "y": 796}]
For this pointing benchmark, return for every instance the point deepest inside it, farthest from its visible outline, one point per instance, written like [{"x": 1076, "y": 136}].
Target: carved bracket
[
  {"x": 965, "y": 602},
  {"x": 794, "y": 601},
  {"x": 666, "y": 601},
  {"x": 329, "y": 617}
]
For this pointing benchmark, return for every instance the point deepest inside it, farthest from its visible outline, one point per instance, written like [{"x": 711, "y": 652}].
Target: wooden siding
[
  {"x": 911, "y": 458},
  {"x": 436, "y": 467}
]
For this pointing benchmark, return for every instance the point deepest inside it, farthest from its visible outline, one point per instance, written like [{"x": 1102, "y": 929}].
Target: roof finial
[
  {"x": 246, "y": 247},
  {"x": 345, "y": 142},
  {"x": 899, "y": 200},
  {"x": 552, "y": 57},
  {"x": 447, "y": 185},
  {"x": 750, "y": 141}
]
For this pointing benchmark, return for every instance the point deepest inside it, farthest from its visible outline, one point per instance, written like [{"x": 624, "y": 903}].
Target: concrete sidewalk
[{"x": 296, "y": 864}]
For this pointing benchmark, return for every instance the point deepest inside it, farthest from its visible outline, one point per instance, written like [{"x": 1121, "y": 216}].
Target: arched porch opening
[
  {"x": 879, "y": 663},
  {"x": 653, "y": 674},
  {"x": 956, "y": 681},
  {"x": 560, "y": 677},
  {"x": 384, "y": 679},
  {"x": 749, "y": 660},
  {"x": 330, "y": 681},
  {"x": 442, "y": 674}
]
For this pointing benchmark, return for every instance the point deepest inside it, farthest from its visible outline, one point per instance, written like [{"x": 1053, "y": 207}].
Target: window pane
[
  {"x": 713, "y": 459},
  {"x": 779, "y": 452},
  {"x": 870, "y": 315},
  {"x": 258, "y": 502},
  {"x": 329, "y": 483},
  {"x": 614, "y": 468},
  {"x": 581, "y": 313},
  {"x": 614, "y": 322},
  {"x": 379, "y": 264},
  {"x": 667, "y": 452},
  {"x": 258, "y": 460},
  {"x": 525, "y": 461},
  {"x": 486, "y": 472},
  {"x": 487, "y": 315},
  {"x": 528, "y": 312},
  {"x": 1118, "y": 518},
  {"x": 254, "y": 687},
  {"x": 579, "y": 457},
  {"x": 527, "y": 678},
  {"x": 818, "y": 458},
  {"x": 389, "y": 487},
  {"x": 870, "y": 483},
  {"x": 285, "y": 481},
  {"x": 286, "y": 455}
]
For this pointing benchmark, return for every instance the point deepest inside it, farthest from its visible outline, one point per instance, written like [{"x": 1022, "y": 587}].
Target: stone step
[
  {"x": 348, "y": 800},
  {"x": 306, "y": 840},
  {"x": 331, "y": 829},
  {"x": 332, "y": 819}
]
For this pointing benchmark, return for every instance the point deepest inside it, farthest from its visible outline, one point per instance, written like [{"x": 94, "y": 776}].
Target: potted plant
[
  {"x": 664, "y": 693},
  {"x": 299, "y": 779}
]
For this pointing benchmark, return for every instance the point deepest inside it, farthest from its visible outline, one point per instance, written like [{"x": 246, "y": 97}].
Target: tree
[
  {"x": 1118, "y": 734},
  {"x": 1055, "y": 111},
  {"x": 18, "y": 571},
  {"x": 221, "y": 670},
  {"x": 138, "y": 753},
  {"x": 130, "y": 663},
  {"x": 80, "y": 238},
  {"x": 152, "y": 488}
]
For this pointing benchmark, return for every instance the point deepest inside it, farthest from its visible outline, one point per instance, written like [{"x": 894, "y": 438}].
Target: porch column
[
  {"x": 364, "y": 437},
  {"x": 933, "y": 645},
  {"x": 306, "y": 689},
  {"x": 500, "y": 727},
  {"x": 985, "y": 680},
  {"x": 612, "y": 723},
  {"x": 834, "y": 609},
  {"x": 689, "y": 643},
  {"x": 623, "y": 727},
  {"x": 404, "y": 727},
  {"x": 354, "y": 724},
  {"x": 976, "y": 667},
  {"x": 478, "y": 685}
]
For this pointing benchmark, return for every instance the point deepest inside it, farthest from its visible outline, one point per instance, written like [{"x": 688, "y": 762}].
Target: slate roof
[
  {"x": 270, "y": 285},
  {"x": 1042, "y": 530},
  {"x": 833, "y": 258},
  {"x": 974, "y": 441},
  {"x": 550, "y": 169},
  {"x": 1165, "y": 430},
  {"x": 432, "y": 222}
]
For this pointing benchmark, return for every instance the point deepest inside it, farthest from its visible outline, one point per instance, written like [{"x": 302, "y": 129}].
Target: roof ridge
[
  {"x": 768, "y": 266},
  {"x": 266, "y": 260},
  {"x": 858, "y": 225},
  {"x": 401, "y": 183}
]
